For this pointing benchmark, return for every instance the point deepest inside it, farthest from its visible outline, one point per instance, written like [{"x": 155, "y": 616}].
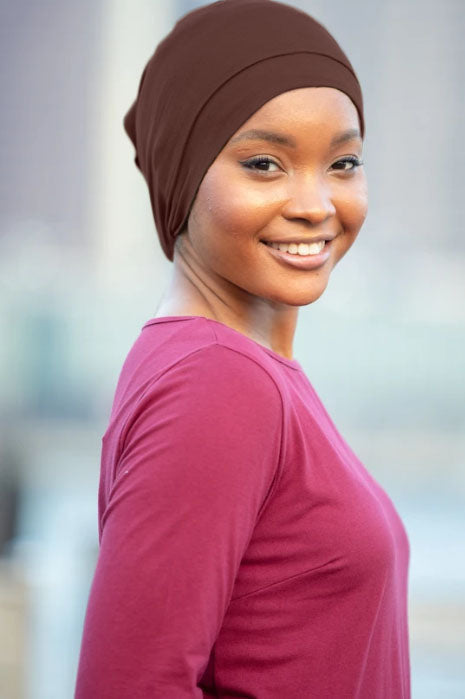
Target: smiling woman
[
  {"x": 245, "y": 551},
  {"x": 312, "y": 191}
]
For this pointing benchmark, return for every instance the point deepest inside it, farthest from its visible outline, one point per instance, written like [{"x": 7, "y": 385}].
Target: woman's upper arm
[{"x": 199, "y": 458}]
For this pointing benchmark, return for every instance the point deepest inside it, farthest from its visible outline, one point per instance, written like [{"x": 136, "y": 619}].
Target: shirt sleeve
[{"x": 199, "y": 459}]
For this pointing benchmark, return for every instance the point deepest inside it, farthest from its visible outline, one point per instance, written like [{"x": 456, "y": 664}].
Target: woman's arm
[{"x": 199, "y": 459}]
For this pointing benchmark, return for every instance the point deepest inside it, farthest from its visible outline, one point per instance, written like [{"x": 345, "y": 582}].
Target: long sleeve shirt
[{"x": 245, "y": 551}]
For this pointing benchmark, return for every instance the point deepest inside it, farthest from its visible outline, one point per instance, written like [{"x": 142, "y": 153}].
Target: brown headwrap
[{"x": 218, "y": 65}]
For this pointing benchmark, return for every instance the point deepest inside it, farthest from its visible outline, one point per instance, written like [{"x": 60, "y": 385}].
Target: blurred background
[{"x": 81, "y": 271}]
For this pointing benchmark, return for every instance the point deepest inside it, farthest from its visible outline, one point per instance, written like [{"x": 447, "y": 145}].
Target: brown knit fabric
[{"x": 218, "y": 65}]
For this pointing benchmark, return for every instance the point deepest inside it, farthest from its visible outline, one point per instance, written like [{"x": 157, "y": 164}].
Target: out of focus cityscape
[{"x": 81, "y": 271}]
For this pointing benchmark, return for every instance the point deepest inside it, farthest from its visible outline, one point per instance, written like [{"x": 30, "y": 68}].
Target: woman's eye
[
  {"x": 260, "y": 163},
  {"x": 351, "y": 160}
]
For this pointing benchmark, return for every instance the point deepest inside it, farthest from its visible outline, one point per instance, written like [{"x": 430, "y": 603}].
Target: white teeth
[{"x": 301, "y": 248}]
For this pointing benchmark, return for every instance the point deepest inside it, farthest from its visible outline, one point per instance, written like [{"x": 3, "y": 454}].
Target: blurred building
[{"x": 81, "y": 271}]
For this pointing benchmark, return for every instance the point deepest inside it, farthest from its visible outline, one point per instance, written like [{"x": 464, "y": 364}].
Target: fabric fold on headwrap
[{"x": 219, "y": 65}]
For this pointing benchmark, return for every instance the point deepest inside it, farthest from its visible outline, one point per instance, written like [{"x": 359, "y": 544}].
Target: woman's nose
[{"x": 309, "y": 199}]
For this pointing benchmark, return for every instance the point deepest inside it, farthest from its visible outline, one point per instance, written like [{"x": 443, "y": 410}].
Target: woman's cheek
[
  {"x": 243, "y": 211},
  {"x": 361, "y": 200},
  {"x": 353, "y": 209}
]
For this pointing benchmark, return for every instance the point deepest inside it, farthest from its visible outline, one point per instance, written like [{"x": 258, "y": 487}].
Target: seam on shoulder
[
  {"x": 217, "y": 343},
  {"x": 279, "y": 468},
  {"x": 151, "y": 383}
]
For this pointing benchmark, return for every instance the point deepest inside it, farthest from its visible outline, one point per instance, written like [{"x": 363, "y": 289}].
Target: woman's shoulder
[
  {"x": 181, "y": 373},
  {"x": 167, "y": 341},
  {"x": 201, "y": 355},
  {"x": 172, "y": 339}
]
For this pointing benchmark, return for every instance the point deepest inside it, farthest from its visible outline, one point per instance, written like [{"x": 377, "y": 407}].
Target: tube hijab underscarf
[{"x": 218, "y": 65}]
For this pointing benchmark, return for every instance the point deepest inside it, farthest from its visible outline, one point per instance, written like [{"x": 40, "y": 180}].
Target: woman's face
[{"x": 297, "y": 180}]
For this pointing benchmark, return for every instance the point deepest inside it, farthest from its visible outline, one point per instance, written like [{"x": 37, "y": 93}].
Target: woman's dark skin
[{"x": 221, "y": 270}]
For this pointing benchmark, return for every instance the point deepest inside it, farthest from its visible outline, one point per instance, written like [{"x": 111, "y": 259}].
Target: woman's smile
[{"x": 299, "y": 256}]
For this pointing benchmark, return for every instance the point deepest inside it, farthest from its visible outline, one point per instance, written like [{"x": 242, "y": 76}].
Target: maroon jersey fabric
[{"x": 245, "y": 549}]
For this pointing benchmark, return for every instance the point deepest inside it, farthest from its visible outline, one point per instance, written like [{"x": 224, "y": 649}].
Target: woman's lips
[{"x": 300, "y": 261}]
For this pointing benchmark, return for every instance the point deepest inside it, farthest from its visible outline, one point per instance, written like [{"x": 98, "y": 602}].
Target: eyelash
[{"x": 265, "y": 159}]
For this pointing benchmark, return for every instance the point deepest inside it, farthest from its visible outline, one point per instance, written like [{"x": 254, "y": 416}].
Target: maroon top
[{"x": 245, "y": 550}]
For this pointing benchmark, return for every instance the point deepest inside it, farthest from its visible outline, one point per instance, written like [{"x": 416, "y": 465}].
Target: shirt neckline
[{"x": 292, "y": 363}]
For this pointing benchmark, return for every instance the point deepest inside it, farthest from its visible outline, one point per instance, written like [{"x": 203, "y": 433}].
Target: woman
[{"x": 245, "y": 550}]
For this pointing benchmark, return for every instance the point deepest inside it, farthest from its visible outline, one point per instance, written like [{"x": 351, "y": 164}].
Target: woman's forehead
[{"x": 290, "y": 113}]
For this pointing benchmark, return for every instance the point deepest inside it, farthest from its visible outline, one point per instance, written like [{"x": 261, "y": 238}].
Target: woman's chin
[{"x": 301, "y": 297}]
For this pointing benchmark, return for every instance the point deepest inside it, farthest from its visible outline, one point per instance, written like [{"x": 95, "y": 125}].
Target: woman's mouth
[
  {"x": 301, "y": 249},
  {"x": 303, "y": 255}
]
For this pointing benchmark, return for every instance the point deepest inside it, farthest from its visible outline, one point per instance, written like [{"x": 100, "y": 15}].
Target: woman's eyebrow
[
  {"x": 344, "y": 136},
  {"x": 259, "y": 135},
  {"x": 286, "y": 140}
]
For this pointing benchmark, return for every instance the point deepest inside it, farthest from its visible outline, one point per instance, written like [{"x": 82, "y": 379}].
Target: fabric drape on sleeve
[{"x": 199, "y": 457}]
